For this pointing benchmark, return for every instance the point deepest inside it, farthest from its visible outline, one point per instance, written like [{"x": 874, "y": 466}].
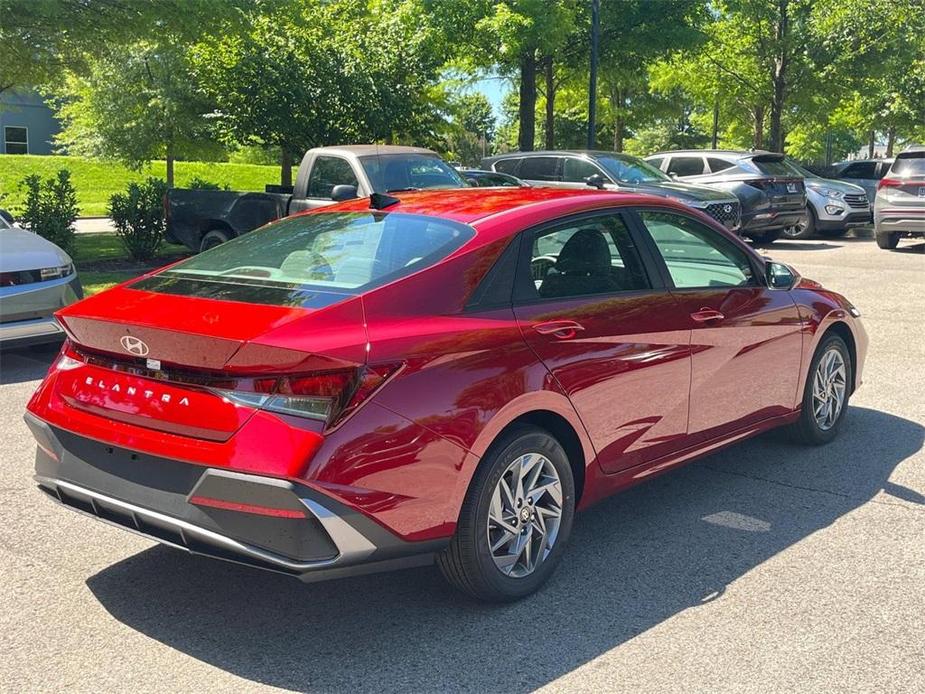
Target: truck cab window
[{"x": 328, "y": 172}]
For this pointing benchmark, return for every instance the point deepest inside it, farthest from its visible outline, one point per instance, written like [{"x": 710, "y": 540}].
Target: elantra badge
[{"x": 134, "y": 345}]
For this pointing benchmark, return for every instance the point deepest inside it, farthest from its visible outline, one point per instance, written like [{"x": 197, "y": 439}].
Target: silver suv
[
  {"x": 832, "y": 206},
  {"x": 900, "y": 206}
]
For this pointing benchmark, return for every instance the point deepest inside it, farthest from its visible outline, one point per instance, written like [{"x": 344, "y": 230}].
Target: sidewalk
[{"x": 87, "y": 225}]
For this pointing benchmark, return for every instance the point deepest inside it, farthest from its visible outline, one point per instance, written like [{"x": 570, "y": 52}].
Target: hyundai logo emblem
[
  {"x": 727, "y": 208},
  {"x": 134, "y": 345}
]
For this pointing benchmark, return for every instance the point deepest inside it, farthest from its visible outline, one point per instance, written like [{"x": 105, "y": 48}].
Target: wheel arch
[{"x": 842, "y": 329}]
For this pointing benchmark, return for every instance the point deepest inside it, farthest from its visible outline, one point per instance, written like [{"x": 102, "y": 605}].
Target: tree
[
  {"x": 137, "y": 104},
  {"x": 317, "y": 73}
]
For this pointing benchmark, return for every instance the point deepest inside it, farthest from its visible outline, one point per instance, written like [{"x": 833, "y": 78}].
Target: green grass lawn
[
  {"x": 102, "y": 261},
  {"x": 95, "y": 181}
]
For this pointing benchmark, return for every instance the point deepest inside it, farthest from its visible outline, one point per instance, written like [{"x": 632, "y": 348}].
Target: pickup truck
[{"x": 201, "y": 219}]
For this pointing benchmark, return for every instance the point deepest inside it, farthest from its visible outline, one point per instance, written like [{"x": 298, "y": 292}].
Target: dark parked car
[
  {"x": 773, "y": 196},
  {"x": 863, "y": 172},
  {"x": 491, "y": 179},
  {"x": 612, "y": 171},
  {"x": 900, "y": 206},
  {"x": 201, "y": 219}
]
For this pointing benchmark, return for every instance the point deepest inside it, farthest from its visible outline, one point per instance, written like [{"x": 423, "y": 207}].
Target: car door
[
  {"x": 576, "y": 171},
  {"x": 326, "y": 172},
  {"x": 615, "y": 340},
  {"x": 746, "y": 339},
  {"x": 541, "y": 171}
]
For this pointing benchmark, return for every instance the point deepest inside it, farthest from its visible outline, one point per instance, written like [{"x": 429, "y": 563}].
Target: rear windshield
[
  {"x": 388, "y": 172},
  {"x": 773, "y": 167},
  {"x": 909, "y": 165},
  {"x": 290, "y": 261}
]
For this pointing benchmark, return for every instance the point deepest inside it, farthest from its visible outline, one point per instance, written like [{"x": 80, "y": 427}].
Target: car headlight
[
  {"x": 697, "y": 204},
  {"x": 53, "y": 273},
  {"x": 827, "y": 192}
]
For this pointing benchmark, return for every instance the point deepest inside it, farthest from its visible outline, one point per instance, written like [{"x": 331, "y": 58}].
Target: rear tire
[
  {"x": 828, "y": 384},
  {"x": 888, "y": 241},
  {"x": 213, "y": 238},
  {"x": 805, "y": 228},
  {"x": 506, "y": 574},
  {"x": 767, "y": 237}
]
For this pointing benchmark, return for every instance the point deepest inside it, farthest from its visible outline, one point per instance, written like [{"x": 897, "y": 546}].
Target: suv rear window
[
  {"x": 909, "y": 165},
  {"x": 772, "y": 167},
  {"x": 389, "y": 172},
  {"x": 343, "y": 252}
]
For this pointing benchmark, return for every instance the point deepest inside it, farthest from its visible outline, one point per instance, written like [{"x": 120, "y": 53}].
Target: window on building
[{"x": 16, "y": 139}]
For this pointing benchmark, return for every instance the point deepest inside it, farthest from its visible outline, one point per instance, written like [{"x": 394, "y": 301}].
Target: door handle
[
  {"x": 563, "y": 329},
  {"x": 707, "y": 315}
]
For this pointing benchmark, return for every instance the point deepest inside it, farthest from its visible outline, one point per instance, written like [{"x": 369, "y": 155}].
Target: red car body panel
[{"x": 643, "y": 387}]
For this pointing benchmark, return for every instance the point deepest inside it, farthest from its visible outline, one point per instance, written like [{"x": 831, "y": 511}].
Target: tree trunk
[
  {"x": 779, "y": 76},
  {"x": 890, "y": 140},
  {"x": 758, "y": 114},
  {"x": 550, "y": 104},
  {"x": 871, "y": 143},
  {"x": 170, "y": 160},
  {"x": 285, "y": 167},
  {"x": 714, "y": 137},
  {"x": 617, "y": 102},
  {"x": 527, "y": 110}
]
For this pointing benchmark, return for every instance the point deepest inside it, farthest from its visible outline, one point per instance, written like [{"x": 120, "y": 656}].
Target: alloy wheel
[
  {"x": 525, "y": 514},
  {"x": 829, "y": 388}
]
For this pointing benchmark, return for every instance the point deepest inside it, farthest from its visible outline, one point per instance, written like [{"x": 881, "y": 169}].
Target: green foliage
[
  {"x": 96, "y": 181},
  {"x": 138, "y": 215},
  {"x": 50, "y": 207},
  {"x": 198, "y": 183}
]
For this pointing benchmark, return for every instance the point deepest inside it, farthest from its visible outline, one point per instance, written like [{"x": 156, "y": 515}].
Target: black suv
[
  {"x": 578, "y": 168},
  {"x": 773, "y": 196}
]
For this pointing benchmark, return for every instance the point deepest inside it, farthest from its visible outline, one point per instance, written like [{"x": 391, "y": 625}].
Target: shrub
[
  {"x": 197, "y": 183},
  {"x": 138, "y": 215},
  {"x": 50, "y": 207}
]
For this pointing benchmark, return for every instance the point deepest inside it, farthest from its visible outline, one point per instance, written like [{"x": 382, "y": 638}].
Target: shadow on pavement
[
  {"x": 633, "y": 562},
  {"x": 26, "y": 364}
]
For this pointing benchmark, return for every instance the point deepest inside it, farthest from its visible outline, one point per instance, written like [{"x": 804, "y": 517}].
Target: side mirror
[
  {"x": 596, "y": 181},
  {"x": 672, "y": 175},
  {"x": 780, "y": 276},
  {"x": 343, "y": 192}
]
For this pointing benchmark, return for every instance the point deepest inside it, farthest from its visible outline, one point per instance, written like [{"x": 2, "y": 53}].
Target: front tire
[
  {"x": 768, "y": 237},
  {"x": 888, "y": 241},
  {"x": 515, "y": 520},
  {"x": 825, "y": 394}
]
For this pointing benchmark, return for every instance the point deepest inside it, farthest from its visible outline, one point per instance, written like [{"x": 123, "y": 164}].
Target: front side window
[
  {"x": 864, "y": 169},
  {"x": 590, "y": 256},
  {"x": 686, "y": 166},
  {"x": 328, "y": 172},
  {"x": 629, "y": 170},
  {"x": 697, "y": 256},
  {"x": 342, "y": 252},
  {"x": 393, "y": 172},
  {"x": 16, "y": 139},
  {"x": 578, "y": 170}
]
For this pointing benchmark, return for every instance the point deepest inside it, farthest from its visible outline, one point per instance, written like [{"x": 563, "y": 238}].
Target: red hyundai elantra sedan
[{"x": 444, "y": 375}]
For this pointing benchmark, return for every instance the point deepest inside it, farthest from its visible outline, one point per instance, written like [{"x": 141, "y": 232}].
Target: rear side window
[
  {"x": 328, "y": 172},
  {"x": 508, "y": 166},
  {"x": 346, "y": 252},
  {"x": 685, "y": 166},
  {"x": 696, "y": 256},
  {"x": 577, "y": 170},
  {"x": 909, "y": 165},
  {"x": 717, "y": 164},
  {"x": 540, "y": 169},
  {"x": 656, "y": 161},
  {"x": 863, "y": 169},
  {"x": 590, "y": 256}
]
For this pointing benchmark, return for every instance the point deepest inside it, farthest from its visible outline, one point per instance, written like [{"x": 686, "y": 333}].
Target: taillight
[
  {"x": 889, "y": 183},
  {"x": 327, "y": 396}
]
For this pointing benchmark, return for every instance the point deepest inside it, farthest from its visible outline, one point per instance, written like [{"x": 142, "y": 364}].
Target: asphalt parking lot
[{"x": 767, "y": 567}]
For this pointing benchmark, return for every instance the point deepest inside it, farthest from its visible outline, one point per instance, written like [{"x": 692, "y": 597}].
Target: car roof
[
  {"x": 365, "y": 150},
  {"x": 557, "y": 153},
  {"x": 500, "y": 212},
  {"x": 741, "y": 154}
]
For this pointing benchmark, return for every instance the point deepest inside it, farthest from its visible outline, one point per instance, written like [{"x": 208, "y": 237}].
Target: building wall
[{"x": 27, "y": 109}]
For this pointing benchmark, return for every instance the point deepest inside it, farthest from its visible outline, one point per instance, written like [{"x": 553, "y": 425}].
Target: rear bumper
[
  {"x": 912, "y": 221},
  {"x": 263, "y": 522},
  {"x": 767, "y": 220}
]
